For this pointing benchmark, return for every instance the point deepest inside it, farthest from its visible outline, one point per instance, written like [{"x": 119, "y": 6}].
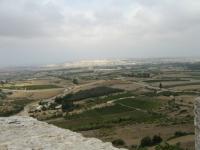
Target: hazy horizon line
[{"x": 93, "y": 59}]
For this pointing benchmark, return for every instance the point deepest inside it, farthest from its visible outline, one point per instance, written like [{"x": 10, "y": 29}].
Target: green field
[
  {"x": 106, "y": 117},
  {"x": 120, "y": 95},
  {"x": 141, "y": 102}
]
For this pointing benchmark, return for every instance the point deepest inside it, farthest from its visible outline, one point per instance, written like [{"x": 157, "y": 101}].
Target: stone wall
[
  {"x": 197, "y": 124},
  {"x": 25, "y": 133}
]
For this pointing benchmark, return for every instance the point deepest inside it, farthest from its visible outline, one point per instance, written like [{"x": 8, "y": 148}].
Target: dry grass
[
  {"x": 188, "y": 88},
  {"x": 35, "y": 94},
  {"x": 132, "y": 134},
  {"x": 186, "y": 141}
]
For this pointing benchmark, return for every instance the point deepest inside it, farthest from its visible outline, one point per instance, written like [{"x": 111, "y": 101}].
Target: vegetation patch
[
  {"x": 183, "y": 84},
  {"x": 118, "y": 142},
  {"x": 165, "y": 80},
  {"x": 147, "y": 141},
  {"x": 166, "y": 146},
  {"x": 33, "y": 87},
  {"x": 2, "y": 95},
  {"x": 178, "y": 134},
  {"x": 120, "y": 95},
  {"x": 90, "y": 93},
  {"x": 141, "y": 102},
  {"x": 13, "y": 107},
  {"x": 107, "y": 117}
]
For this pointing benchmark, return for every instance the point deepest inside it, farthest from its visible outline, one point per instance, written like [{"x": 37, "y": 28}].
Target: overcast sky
[{"x": 54, "y": 31}]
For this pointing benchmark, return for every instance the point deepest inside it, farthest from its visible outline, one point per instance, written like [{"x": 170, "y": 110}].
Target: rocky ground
[{"x": 17, "y": 133}]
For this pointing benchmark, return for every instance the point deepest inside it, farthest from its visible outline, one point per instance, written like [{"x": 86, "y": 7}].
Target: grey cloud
[
  {"x": 67, "y": 29},
  {"x": 25, "y": 18}
]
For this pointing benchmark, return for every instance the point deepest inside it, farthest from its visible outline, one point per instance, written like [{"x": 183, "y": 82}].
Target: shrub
[
  {"x": 166, "y": 146},
  {"x": 75, "y": 81},
  {"x": 67, "y": 105},
  {"x": 168, "y": 93},
  {"x": 146, "y": 141},
  {"x": 118, "y": 142},
  {"x": 180, "y": 133},
  {"x": 156, "y": 139},
  {"x": 58, "y": 100}
]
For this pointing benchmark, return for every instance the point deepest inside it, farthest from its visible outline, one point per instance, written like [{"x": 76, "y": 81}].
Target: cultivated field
[{"x": 124, "y": 105}]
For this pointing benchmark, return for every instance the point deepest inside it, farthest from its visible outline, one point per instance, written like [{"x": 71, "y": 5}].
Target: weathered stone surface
[
  {"x": 25, "y": 133},
  {"x": 197, "y": 124}
]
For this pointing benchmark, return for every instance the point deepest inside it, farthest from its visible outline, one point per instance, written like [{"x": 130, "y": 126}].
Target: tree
[
  {"x": 58, "y": 100},
  {"x": 156, "y": 139},
  {"x": 160, "y": 86},
  {"x": 180, "y": 133},
  {"x": 66, "y": 102},
  {"x": 67, "y": 105},
  {"x": 75, "y": 81}
]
